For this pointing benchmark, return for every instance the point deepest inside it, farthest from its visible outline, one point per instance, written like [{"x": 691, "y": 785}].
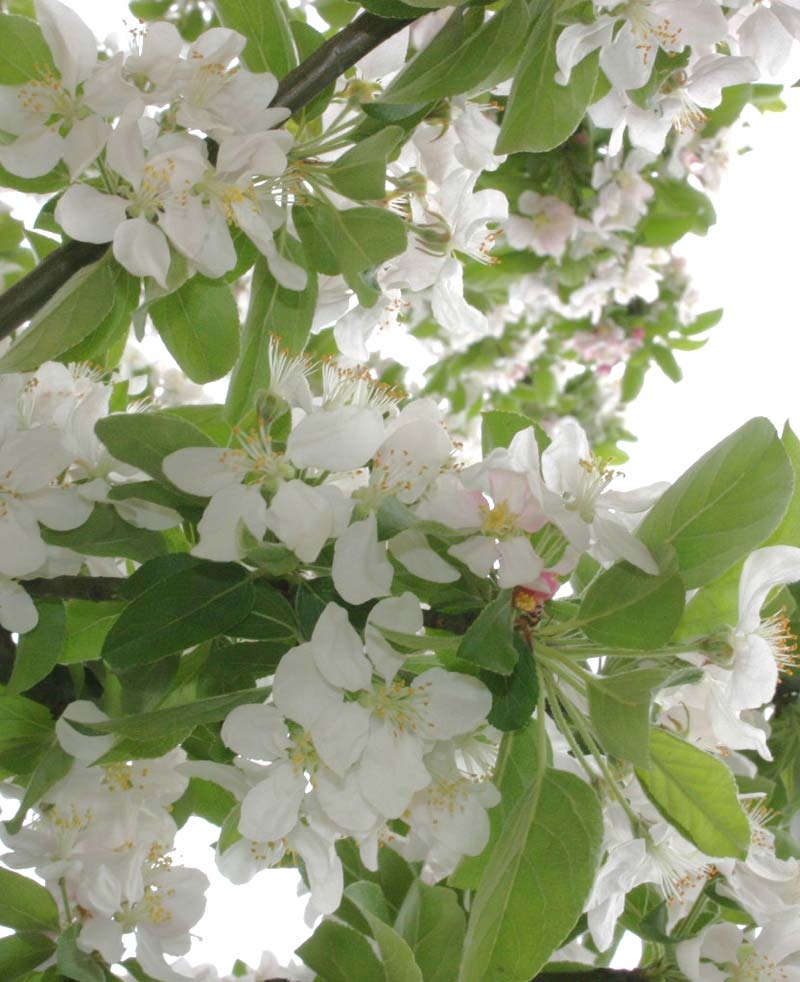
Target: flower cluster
[
  {"x": 101, "y": 839},
  {"x": 133, "y": 130}
]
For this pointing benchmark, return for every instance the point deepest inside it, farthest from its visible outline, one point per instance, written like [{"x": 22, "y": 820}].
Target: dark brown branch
[
  {"x": 297, "y": 89},
  {"x": 77, "y": 587},
  {"x": 597, "y": 975}
]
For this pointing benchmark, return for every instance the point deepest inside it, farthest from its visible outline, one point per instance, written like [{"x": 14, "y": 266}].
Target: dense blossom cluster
[{"x": 361, "y": 637}]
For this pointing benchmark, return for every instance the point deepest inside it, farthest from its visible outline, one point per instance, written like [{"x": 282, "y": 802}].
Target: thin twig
[
  {"x": 77, "y": 587},
  {"x": 30, "y": 293}
]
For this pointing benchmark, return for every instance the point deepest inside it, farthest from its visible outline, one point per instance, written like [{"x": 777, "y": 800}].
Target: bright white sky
[{"x": 749, "y": 264}]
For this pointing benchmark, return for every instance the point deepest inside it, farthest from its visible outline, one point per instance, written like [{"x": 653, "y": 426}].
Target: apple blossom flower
[{"x": 57, "y": 117}]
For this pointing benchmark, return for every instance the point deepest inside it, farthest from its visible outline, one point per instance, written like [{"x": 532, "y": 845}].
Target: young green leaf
[
  {"x": 269, "y": 45},
  {"x": 433, "y": 923},
  {"x": 24, "y": 53},
  {"x": 273, "y": 310},
  {"x": 489, "y": 641},
  {"x": 559, "y": 818},
  {"x": 72, "y": 313},
  {"x": 25, "y": 905},
  {"x": 619, "y": 706},
  {"x": 725, "y": 505},
  {"x": 21, "y": 953},
  {"x": 540, "y": 113},
  {"x": 360, "y": 173},
  {"x": 697, "y": 794},
  {"x": 199, "y": 324},
  {"x": 339, "y": 954},
  {"x": 627, "y": 608}
]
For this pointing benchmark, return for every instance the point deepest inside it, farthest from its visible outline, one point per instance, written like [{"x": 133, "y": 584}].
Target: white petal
[
  {"x": 257, "y": 732},
  {"x": 86, "y": 749},
  {"x": 34, "y": 154},
  {"x": 299, "y": 690},
  {"x": 412, "y": 550},
  {"x": 71, "y": 43},
  {"x": 338, "y": 650},
  {"x": 389, "y": 788},
  {"x": 360, "y": 568},
  {"x": 205, "y": 470},
  {"x": 302, "y": 518},
  {"x": 142, "y": 249},
  {"x": 340, "y": 735},
  {"x": 763, "y": 570},
  {"x": 222, "y": 523},
  {"x": 18, "y": 612},
  {"x": 519, "y": 562},
  {"x": 451, "y": 703},
  {"x": 83, "y": 143},
  {"x": 269, "y": 811},
  {"x": 336, "y": 439}
]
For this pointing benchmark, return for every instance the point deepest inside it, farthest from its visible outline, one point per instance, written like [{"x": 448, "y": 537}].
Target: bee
[{"x": 529, "y": 611}]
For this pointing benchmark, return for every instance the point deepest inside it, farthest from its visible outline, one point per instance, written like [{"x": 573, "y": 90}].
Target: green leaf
[
  {"x": 515, "y": 772},
  {"x": 397, "y": 957},
  {"x": 105, "y": 344},
  {"x": 176, "y": 719},
  {"x": 273, "y": 310},
  {"x": 235, "y": 666},
  {"x": 24, "y": 53},
  {"x": 199, "y": 324},
  {"x": 627, "y": 608},
  {"x": 666, "y": 362},
  {"x": 788, "y": 532},
  {"x": 21, "y": 953},
  {"x": 498, "y": 428},
  {"x": 455, "y": 62},
  {"x": 75, "y": 964},
  {"x": 39, "y": 650},
  {"x": 52, "y": 765},
  {"x": 269, "y": 45},
  {"x": 339, "y": 954},
  {"x": 26, "y": 730},
  {"x": 489, "y": 641},
  {"x": 204, "y": 799},
  {"x": 88, "y": 623},
  {"x": 513, "y": 696},
  {"x": 349, "y": 242},
  {"x": 26, "y": 905},
  {"x": 696, "y": 793},
  {"x": 540, "y": 113},
  {"x": 104, "y": 533},
  {"x": 725, "y": 505},
  {"x": 715, "y": 606},
  {"x": 145, "y": 439},
  {"x": 70, "y": 315},
  {"x": 361, "y": 172},
  {"x": 181, "y": 610},
  {"x": 675, "y": 210},
  {"x": 619, "y": 706},
  {"x": 271, "y": 619},
  {"x": 433, "y": 924},
  {"x": 558, "y": 818}
]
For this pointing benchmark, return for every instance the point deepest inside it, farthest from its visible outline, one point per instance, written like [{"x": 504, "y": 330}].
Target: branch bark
[
  {"x": 29, "y": 294},
  {"x": 77, "y": 587}
]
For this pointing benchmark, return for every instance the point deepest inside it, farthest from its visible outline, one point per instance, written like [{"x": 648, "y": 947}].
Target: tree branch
[
  {"x": 77, "y": 587},
  {"x": 295, "y": 90}
]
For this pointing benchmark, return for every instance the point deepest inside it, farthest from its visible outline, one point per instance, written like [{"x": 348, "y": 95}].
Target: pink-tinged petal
[
  {"x": 83, "y": 143},
  {"x": 18, "y": 612},
  {"x": 336, "y": 439},
  {"x": 338, "y": 651},
  {"x": 519, "y": 562},
  {"x": 33, "y": 154},
  {"x": 142, "y": 249},
  {"x": 72, "y": 44},
  {"x": 299, "y": 691},
  {"x": 360, "y": 568},
  {"x": 205, "y": 470},
  {"x": 763, "y": 570},
  {"x": 389, "y": 789},
  {"x": 269, "y": 811},
  {"x": 221, "y": 526},
  {"x": 340, "y": 735},
  {"x": 257, "y": 732},
  {"x": 450, "y": 703}
]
